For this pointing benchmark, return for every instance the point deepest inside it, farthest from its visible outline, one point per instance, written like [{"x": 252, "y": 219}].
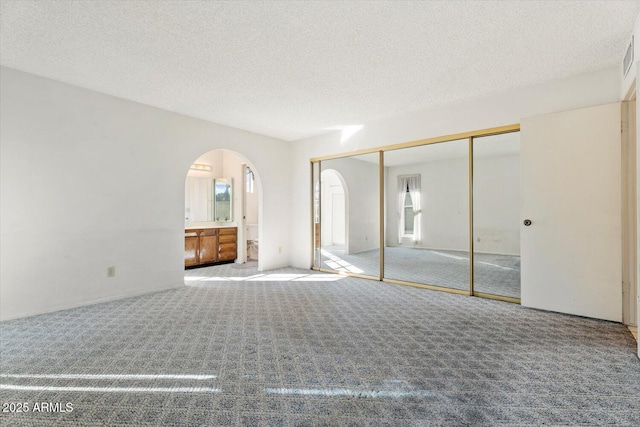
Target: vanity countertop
[{"x": 204, "y": 227}]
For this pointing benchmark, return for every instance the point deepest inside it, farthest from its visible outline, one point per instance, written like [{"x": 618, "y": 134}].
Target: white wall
[
  {"x": 213, "y": 158},
  {"x": 510, "y": 107},
  {"x": 90, "y": 181}
]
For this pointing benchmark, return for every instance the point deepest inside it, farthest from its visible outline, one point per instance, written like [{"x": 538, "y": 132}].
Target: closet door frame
[{"x": 316, "y": 217}]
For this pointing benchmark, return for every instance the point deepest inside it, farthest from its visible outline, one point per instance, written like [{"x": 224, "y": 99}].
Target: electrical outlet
[
  {"x": 111, "y": 271},
  {"x": 279, "y": 249}
]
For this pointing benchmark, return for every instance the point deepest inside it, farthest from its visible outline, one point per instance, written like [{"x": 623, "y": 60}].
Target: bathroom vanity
[{"x": 211, "y": 245}]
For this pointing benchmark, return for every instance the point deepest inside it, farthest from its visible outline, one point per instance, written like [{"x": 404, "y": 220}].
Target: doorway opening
[
  {"x": 251, "y": 202},
  {"x": 222, "y": 211}
]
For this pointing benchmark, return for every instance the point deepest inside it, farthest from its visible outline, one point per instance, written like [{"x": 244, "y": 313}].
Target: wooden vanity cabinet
[
  {"x": 227, "y": 243},
  {"x": 209, "y": 246},
  {"x": 190, "y": 248}
]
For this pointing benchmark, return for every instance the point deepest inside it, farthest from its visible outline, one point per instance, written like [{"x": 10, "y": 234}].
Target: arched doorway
[
  {"x": 335, "y": 225},
  {"x": 223, "y": 192}
]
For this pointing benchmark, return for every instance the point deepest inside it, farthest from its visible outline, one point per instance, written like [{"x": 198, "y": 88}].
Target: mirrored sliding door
[
  {"x": 315, "y": 212},
  {"x": 349, "y": 203},
  {"x": 441, "y": 213},
  {"x": 496, "y": 215},
  {"x": 427, "y": 215}
]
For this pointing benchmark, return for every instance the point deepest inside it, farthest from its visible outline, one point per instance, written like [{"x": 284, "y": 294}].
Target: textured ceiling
[{"x": 295, "y": 69}]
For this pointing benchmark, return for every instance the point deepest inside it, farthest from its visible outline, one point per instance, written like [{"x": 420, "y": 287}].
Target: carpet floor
[
  {"x": 293, "y": 347},
  {"x": 493, "y": 273}
]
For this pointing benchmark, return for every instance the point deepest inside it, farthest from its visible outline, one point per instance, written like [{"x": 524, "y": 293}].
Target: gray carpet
[
  {"x": 493, "y": 274},
  {"x": 293, "y": 347}
]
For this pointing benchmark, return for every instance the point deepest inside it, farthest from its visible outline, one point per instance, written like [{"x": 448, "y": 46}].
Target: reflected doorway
[
  {"x": 334, "y": 211},
  {"x": 250, "y": 214},
  {"x": 349, "y": 205}
]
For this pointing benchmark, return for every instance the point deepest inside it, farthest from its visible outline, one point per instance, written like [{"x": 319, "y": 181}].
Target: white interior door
[{"x": 571, "y": 191}]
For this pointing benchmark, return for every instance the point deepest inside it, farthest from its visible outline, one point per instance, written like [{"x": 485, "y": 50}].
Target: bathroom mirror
[
  {"x": 198, "y": 199},
  {"x": 223, "y": 200}
]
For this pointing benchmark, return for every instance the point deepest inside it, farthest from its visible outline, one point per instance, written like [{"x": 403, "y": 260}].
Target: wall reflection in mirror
[
  {"x": 496, "y": 214},
  {"x": 349, "y": 202},
  {"x": 427, "y": 215},
  {"x": 198, "y": 199}
]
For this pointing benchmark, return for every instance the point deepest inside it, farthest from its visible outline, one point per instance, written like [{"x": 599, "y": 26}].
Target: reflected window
[
  {"x": 410, "y": 206},
  {"x": 408, "y": 214}
]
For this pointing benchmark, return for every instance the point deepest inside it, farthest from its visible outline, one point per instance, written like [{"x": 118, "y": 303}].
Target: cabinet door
[
  {"x": 208, "y": 246},
  {"x": 228, "y": 251},
  {"x": 190, "y": 249}
]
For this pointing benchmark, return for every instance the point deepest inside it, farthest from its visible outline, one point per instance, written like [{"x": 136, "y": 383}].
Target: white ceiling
[{"x": 292, "y": 69}]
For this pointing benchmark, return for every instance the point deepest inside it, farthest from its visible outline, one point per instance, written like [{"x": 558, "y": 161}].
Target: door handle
[{"x": 527, "y": 222}]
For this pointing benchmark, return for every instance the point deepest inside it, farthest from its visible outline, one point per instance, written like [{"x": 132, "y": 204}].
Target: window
[{"x": 249, "y": 180}]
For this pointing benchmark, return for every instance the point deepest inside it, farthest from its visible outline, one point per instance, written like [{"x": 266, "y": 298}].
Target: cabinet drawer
[
  {"x": 228, "y": 247},
  {"x": 227, "y": 231},
  {"x": 209, "y": 232},
  {"x": 227, "y": 238},
  {"x": 227, "y": 252}
]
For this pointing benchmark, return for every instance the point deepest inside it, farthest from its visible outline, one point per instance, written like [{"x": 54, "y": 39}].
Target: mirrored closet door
[
  {"x": 445, "y": 212},
  {"x": 349, "y": 200},
  {"x": 496, "y": 215},
  {"x": 427, "y": 215},
  {"x": 315, "y": 213}
]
